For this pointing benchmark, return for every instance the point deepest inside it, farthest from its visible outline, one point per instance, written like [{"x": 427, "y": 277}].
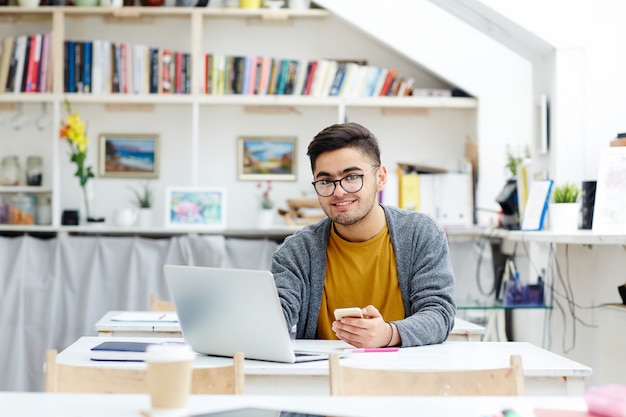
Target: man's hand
[{"x": 369, "y": 332}]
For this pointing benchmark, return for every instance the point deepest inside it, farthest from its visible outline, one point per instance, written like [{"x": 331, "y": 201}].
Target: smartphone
[{"x": 348, "y": 312}]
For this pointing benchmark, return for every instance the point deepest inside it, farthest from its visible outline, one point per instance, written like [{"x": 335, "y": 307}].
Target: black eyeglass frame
[{"x": 340, "y": 181}]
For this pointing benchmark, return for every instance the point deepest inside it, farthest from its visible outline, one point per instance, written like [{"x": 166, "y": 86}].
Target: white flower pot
[
  {"x": 564, "y": 217},
  {"x": 145, "y": 217},
  {"x": 266, "y": 218}
]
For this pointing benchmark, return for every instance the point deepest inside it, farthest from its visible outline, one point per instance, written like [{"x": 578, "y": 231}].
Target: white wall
[
  {"x": 430, "y": 136},
  {"x": 589, "y": 39},
  {"x": 498, "y": 77}
]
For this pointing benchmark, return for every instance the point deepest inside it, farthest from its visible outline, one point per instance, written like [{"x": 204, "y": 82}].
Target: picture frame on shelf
[
  {"x": 195, "y": 207},
  {"x": 125, "y": 155},
  {"x": 261, "y": 158}
]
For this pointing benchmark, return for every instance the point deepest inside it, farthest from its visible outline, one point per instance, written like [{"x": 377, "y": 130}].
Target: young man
[{"x": 393, "y": 264}]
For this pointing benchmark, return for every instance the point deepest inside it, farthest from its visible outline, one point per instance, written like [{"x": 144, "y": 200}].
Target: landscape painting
[
  {"x": 129, "y": 156},
  {"x": 266, "y": 158}
]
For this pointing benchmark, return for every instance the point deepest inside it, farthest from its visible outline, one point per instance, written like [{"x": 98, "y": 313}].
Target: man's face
[{"x": 343, "y": 207}]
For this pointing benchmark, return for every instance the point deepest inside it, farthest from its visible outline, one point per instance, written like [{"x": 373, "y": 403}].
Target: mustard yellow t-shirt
[{"x": 359, "y": 274}]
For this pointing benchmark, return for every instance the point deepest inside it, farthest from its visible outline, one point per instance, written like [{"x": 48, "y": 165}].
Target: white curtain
[{"x": 53, "y": 291}]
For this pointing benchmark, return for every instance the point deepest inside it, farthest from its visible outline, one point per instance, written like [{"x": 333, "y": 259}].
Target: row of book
[
  {"x": 255, "y": 75},
  {"x": 102, "y": 66},
  {"x": 25, "y": 64}
]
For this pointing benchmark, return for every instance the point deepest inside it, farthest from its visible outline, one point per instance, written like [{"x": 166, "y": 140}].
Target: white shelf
[
  {"x": 580, "y": 237},
  {"x": 139, "y": 11},
  {"x": 27, "y": 189}
]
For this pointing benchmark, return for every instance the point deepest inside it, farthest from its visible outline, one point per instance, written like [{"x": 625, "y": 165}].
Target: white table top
[
  {"x": 131, "y": 405},
  {"x": 447, "y": 356},
  {"x": 106, "y": 324}
]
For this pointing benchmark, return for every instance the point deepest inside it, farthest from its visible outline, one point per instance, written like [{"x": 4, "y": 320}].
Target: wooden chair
[
  {"x": 71, "y": 378},
  {"x": 360, "y": 381},
  {"x": 160, "y": 305}
]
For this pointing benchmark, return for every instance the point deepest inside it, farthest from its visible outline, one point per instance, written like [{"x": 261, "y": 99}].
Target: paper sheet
[{"x": 146, "y": 316}]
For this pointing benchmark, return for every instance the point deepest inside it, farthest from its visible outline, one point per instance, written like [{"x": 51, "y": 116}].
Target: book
[
  {"x": 32, "y": 74},
  {"x": 120, "y": 351},
  {"x": 338, "y": 78},
  {"x": 79, "y": 51},
  {"x": 20, "y": 62},
  {"x": 266, "y": 69},
  {"x": 310, "y": 75},
  {"x": 388, "y": 80},
  {"x": 5, "y": 62},
  {"x": 300, "y": 76},
  {"x": 537, "y": 205},
  {"x": 87, "y": 66}
]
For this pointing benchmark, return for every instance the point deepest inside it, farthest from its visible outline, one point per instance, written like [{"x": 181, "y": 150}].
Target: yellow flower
[{"x": 73, "y": 130}]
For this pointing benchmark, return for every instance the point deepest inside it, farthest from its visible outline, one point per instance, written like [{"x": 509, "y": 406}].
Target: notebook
[{"x": 222, "y": 311}]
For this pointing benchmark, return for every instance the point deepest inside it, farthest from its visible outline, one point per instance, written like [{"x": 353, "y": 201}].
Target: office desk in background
[
  {"x": 545, "y": 373},
  {"x": 131, "y": 405},
  {"x": 463, "y": 331}
]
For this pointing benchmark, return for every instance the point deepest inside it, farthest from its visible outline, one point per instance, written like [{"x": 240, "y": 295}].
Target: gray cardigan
[{"x": 424, "y": 272}]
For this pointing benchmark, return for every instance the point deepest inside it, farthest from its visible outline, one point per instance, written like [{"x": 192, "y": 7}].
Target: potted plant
[
  {"x": 565, "y": 207},
  {"x": 566, "y": 193},
  {"x": 143, "y": 200}
]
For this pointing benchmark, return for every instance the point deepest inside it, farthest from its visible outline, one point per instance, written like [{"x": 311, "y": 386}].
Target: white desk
[
  {"x": 546, "y": 373},
  {"x": 131, "y": 405},
  {"x": 463, "y": 331}
]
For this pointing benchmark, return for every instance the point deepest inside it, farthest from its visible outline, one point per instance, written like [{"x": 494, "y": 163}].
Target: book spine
[
  {"x": 44, "y": 63},
  {"x": 78, "y": 66},
  {"x": 166, "y": 72},
  {"x": 266, "y": 66},
  {"x": 310, "y": 77},
  {"x": 116, "y": 58},
  {"x": 340, "y": 74},
  {"x": 21, "y": 58},
  {"x": 387, "y": 84},
  {"x": 154, "y": 70},
  {"x": 27, "y": 64},
  {"x": 33, "y": 64},
  {"x": 5, "y": 63},
  {"x": 71, "y": 50},
  {"x": 87, "y": 46}
]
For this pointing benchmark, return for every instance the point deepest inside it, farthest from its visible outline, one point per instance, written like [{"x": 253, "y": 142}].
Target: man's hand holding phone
[{"x": 348, "y": 312}]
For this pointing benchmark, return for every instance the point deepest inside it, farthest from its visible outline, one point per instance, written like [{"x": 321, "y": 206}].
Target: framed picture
[
  {"x": 266, "y": 158},
  {"x": 129, "y": 156},
  {"x": 195, "y": 207}
]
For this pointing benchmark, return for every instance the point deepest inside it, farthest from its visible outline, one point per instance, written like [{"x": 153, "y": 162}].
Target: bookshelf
[{"x": 190, "y": 30}]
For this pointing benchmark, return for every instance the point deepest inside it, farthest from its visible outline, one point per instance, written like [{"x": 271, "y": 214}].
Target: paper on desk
[{"x": 155, "y": 316}]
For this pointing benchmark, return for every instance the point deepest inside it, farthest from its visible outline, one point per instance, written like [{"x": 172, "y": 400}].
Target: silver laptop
[{"x": 222, "y": 311}]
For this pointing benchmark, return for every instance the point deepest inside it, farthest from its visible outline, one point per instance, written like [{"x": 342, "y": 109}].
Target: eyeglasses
[{"x": 351, "y": 184}]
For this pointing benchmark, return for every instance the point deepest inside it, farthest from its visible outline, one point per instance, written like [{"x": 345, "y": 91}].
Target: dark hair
[{"x": 344, "y": 135}]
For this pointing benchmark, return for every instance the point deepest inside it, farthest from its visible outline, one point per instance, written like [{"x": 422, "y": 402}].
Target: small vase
[
  {"x": 564, "y": 217},
  {"x": 88, "y": 197},
  {"x": 266, "y": 218}
]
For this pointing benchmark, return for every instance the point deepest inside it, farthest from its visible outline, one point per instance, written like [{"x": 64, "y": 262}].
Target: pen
[
  {"x": 371, "y": 350},
  {"x": 162, "y": 317}
]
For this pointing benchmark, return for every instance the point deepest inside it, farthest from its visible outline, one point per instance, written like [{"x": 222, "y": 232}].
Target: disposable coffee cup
[{"x": 169, "y": 378}]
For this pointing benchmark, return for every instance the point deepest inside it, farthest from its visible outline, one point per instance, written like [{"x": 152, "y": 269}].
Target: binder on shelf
[{"x": 537, "y": 205}]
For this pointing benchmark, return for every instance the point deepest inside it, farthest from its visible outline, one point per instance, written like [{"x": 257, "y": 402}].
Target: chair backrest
[
  {"x": 71, "y": 378},
  {"x": 160, "y": 305},
  {"x": 360, "y": 381}
]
